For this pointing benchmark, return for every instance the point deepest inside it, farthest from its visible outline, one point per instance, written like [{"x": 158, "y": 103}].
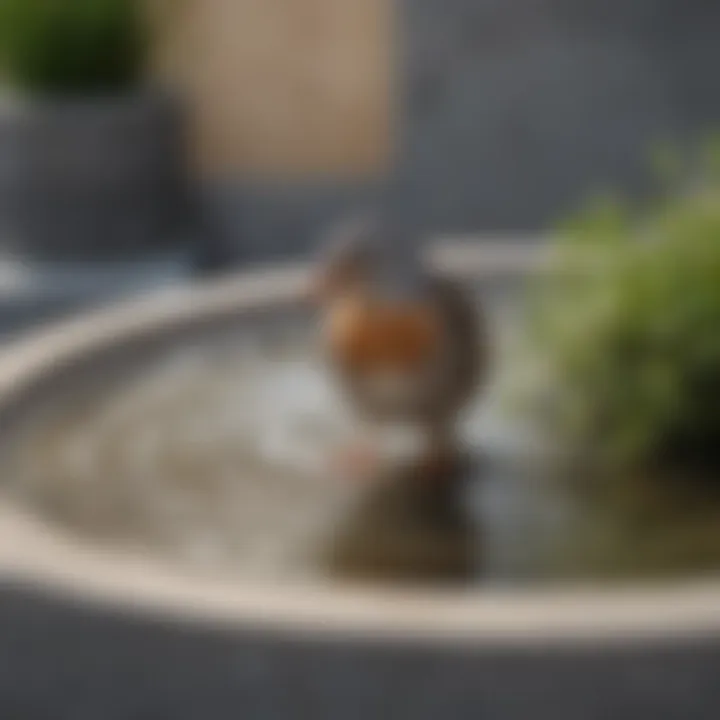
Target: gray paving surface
[{"x": 62, "y": 662}]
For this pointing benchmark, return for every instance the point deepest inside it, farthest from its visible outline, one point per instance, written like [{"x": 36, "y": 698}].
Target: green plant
[
  {"x": 73, "y": 46},
  {"x": 627, "y": 327}
]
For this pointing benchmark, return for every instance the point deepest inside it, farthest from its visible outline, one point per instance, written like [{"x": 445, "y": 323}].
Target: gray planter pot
[{"x": 91, "y": 179}]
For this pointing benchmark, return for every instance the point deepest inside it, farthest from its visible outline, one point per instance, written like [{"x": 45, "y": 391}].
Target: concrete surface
[{"x": 60, "y": 661}]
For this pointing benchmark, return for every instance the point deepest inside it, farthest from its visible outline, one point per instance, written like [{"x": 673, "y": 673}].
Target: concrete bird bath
[{"x": 115, "y": 602}]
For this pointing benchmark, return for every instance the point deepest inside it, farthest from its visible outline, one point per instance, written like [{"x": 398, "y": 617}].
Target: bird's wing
[{"x": 468, "y": 344}]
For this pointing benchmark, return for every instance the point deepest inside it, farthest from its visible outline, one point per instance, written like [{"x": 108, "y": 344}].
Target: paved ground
[{"x": 61, "y": 662}]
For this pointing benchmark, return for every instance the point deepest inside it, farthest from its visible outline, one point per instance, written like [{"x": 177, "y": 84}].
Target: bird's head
[
  {"x": 363, "y": 257},
  {"x": 375, "y": 314}
]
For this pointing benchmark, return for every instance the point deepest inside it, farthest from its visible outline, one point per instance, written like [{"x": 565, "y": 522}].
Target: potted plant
[
  {"x": 91, "y": 160},
  {"x": 629, "y": 322}
]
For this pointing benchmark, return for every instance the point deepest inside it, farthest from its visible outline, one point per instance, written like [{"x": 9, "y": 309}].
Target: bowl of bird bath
[{"x": 166, "y": 524}]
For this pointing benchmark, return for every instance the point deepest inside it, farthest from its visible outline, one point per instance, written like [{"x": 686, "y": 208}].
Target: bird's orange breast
[{"x": 372, "y": 334}]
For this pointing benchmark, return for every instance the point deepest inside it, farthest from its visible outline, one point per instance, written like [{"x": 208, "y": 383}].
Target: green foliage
[
  {"x": 67, "y": 47},
  {"x": 627, "y": 325}
]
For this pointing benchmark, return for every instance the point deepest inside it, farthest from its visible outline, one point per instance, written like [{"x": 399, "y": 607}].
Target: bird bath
[{"x": 164, "y": 460}]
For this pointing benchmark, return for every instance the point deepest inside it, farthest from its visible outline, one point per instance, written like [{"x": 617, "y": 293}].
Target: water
[{"x": 214, "y": 455}]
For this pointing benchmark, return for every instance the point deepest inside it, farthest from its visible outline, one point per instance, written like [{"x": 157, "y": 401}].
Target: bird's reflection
[{"x": 410, "y": 529}]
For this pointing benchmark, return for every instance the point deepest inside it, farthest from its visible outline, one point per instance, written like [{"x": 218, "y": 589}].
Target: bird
[{"x": 407, "y": 343}]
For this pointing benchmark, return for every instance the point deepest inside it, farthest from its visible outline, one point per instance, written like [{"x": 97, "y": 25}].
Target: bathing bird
[{"x": 407, "y": 343}]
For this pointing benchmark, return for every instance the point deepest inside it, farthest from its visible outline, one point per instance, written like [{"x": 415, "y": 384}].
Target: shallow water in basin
[{"x": 213, "y": 455}]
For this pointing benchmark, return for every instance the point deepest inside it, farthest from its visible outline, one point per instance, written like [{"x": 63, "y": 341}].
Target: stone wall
[{"x": 507, "y": 113}]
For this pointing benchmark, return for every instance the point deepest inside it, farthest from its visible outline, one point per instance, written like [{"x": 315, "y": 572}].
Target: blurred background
[
  {"x": 473, "y": 116},
  {"x": 143, "y": 141}
]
